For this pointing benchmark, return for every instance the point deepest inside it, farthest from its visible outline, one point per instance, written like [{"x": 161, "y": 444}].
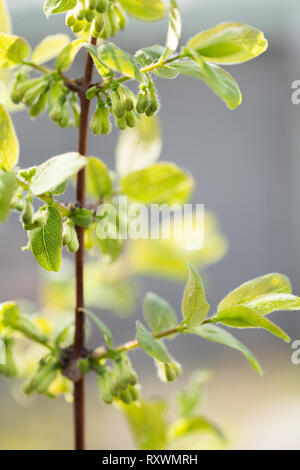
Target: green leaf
[
  {"x": 159, "y": 314},
  {"x": 221, "y": 83},
  {"x": 267, "y": 284},
  {"x": 12, "y": 50},
  {"x": 149, "y": 55},
  {"x": 229, "y": 43},
  {"x": 139, "y": 147},
  {"x": 241, "y": 316},
  {"x": 194, "y": 424},
  {"x": 218, "y": 335},
  {"x": 46, "y": 239},
  {"x": 7, "y": 189},
  {"x": 174, "y": 32},
  {"x": 145, "y": 10},
  {"x": 147, "y": 423},
  {"x": 5, "y": 21},
  {"x": 268, "y": 303},
  {"x": 120, "y": 61},
  {"x": 100, "y": 66},
  {"x": 9, "y": 144},
  {"x": 98, "y": 181},
  {"x": 102, "y": 327},
  {"x": 151, "y": 345},
  {"x": 68, "y": 54},
  {"x": 191, "y": 396},
  {"x": 49, "y": 48},
  {"x": 159, "y": 183},
  {"x": 58, "y": 6},
  {"x": 55, "y": 171},
  {"x": 194, "y": 305},
  {"x": 12, "y": 318}
]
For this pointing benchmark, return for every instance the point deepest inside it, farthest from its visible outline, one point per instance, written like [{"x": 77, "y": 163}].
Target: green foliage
[
  {"x": 58, "y": 6},
  {"x": 68, "y": 54},
  {"x": 152, "y": 347},
  {"x": 49, "y": 48},
  {"x": 194, "y": 305},
  {"x": 7, "y": 189},
  {"x": 98, "y": 180},
  {"x": 13, "y": 50},
  {"x": 145, "y": 10},
  {"x": 9, "y": 144},
  {"x": 159, "y": 314}
]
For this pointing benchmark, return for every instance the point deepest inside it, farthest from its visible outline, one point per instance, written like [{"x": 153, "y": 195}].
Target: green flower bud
[
  {"x": 84, "y": 365},
  {"x": 8, "y": 369},
  {"x": 142, "y": 102},
  {"x": 106, "y": 125},
  {"x": 91, "y": 93},
  {"x": 79, "y": 11},
  {"x": 82, "y": 217},
  {"x": 153, "y": 103},
  {"x": 106, "y": 31},
  {"x": 104, "y": 390},
  {"x": 89, "y": 15},
  {"x": 134, "y": 392},
  {"x": 91, "y": 4},
  {"x": 78, "y": 26},
  {"x": 40, "y": 381},
  {"x": 130, "y": 119},
  {"x": 117, "y": 105},
  {"x": 121, "y": 123},
  {"x": 70, "y": 18},
  {"x": 125, "y": 96},
  {"x": 27, "y": 213},
  {"x": 96, "y": 122},
  {"x": 121, "y": 16},
  {"x": 27, "y": 85},
  {"x": 75, "y": 110},
  {"x": 70, "y": 238},
  {"x": 64, "y": 119},
  {"x": 126, "y": 397},
  {"x": 39, "y": 106},
  {"x": 101, "y": 6},
  {"x": 98, "y": 23},
  {"x": 47, "y": 380},
  {"x": 114, "y": 20},
  {"x": 34, "y": 93}
]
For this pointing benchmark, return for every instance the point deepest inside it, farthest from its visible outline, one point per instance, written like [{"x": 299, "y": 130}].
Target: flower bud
[
  {"x": 153, "y": 103},
  {"x": 98, "y": 24},
  {"x": 121, "y": 16},
  {"x": 117, "y": 105},
  {"x": 101, "y": 6},
  {"x": 70, "y": 19},
  {"x": 106, "y": 31},
  {"x": 70, "y": 238},
  {"x": 27, "y": 213},
  {"x": 8, "y": 369},
  {"x": 75, "y": 110},
  {"x": 126, "y": 397},
  {"x": 96, "y": 122},
  {"x": 142, "y": 102},
  {"x": 121, "y": 123},
  {"x": 91, "y": 93},
  {"x": 39, "y": 106},
  {"x": 130, "y": 119},
  {"x": 104, "y": 390},
  {"x": 89, "y": 15},
  {"x": 114, "y": 20},
  {"x": 78, "y": 26},
  {"x": 125, "y": 96},
  {"x": 84, "y": 365},
  {"x": 134, "y": 392},
  {"x": 106, "y": 125}
]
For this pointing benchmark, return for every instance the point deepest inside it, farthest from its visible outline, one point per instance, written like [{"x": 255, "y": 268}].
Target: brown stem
[{"x": 79, "y": 411}]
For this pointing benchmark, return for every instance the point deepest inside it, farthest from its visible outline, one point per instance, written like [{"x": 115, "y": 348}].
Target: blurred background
[{"x": 246, "y": 166}]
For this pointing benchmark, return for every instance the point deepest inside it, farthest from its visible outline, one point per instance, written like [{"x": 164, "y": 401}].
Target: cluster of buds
[
  {"x": 118, "y": 382},
  {"x": 147, "y": 102},
  {"x": 103, "y": 18}
]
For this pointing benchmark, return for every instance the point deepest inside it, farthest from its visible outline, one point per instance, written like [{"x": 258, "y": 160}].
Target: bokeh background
[{"x": 246, "y": 164}]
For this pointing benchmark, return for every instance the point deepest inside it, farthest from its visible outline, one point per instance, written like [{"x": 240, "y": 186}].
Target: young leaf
[
  {"x": 5, "y": 21},
  {"x": 7, "y": 189},
  {"x": 174, "y": 32},
  {"x": 46, "y": 239},
  {"x": 267, "y": 284},
  {"x": 98, "y": 181},
  {"x": 218, "y": 335},
  {"x": 268, "y": 303},
  {"x": 55, "y": 171},
  {"x": 102, "y": 327},
  {"x": 229, "y": 43},
  {"x": 191, "y": 396},
  {"x": 147, "y": 423},
  {"x": 100, "y": 66},
  {"x": 149, "y": 55},
  {"x": 159, "y": 183},
  {"x": 194, "y": 424},
  {"x": 68, "y": 54},
  {"x": 151, "y": 345},
  {"x": 145, "y": 10},
  {"x": 12, "y": 50},
  {"x": 9, "y": 144},
  {"x": 240, "y": 316},
  {"x": 194, "y": 305},
  {"x": 49, "y": 48},
  {"x": 220, "y": 81},
  {"x": 139, "y": 147},
  {"x": 158, "y": 312},
  {"x": 120, "y": 61},
  {"x": 58, "y": 6}
]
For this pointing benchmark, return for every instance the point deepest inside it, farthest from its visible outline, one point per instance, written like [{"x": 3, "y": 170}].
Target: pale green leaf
[
  {"x": 218, "y": 335},
  {"x": 98, "y": 181},
  {"x": 241, "y": 316},
  {"x": 58, "y": 6},
  {"x": 175, "y": 27},
  {"x": 120, "y": 61},
  {"x": 159, "y": 183},
  {"x": 13, "y": 50},
  {"x": 5, "y": 21},
  {"x": 267, "y": 284},
  {"x": 194, "y": 305},
  {"x": 46, "y": 239},
  {"x": 268, "y": 303},
  {"x": 145, "y": 10},
  {"x": 192, "y": 395},
  {"x": 147, "y": 423},
  {"x": 9, "y": 144},
  {"x": 194, "y": 424},
  {"x": 56, "y": 171},
  {"x": 100, "y": 66},
  {"x": 159, "y": 314},
  {"x": 229, "y": 43},
  {"x": 151, "y": 345},
  {"x": 102, "y": 327},
  {"x": 149, "y": 55},
  {"x": 7, "y": 189},
  {"x": 139, "y": 147},
  {"x": 68, "y": 54},
  {"x": 49, "y": 48},
  {"x": 220, "y": 81}
]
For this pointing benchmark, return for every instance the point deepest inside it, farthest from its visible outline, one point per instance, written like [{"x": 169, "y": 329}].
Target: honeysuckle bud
[
  {"x": 114, "y": 21},
  {"x": 91, "y": 93},
  {"x": 34, "y": 93},
  {"x": 27, "y": 85},
  {"x": 92, "y": 4},
  {"x": 104, "y": 390},
  {"x": 89, "y": 15},
  {"x": 106, "y": 31},
  {"x": 42, "y": 379},
  {"x": 79, "y": 10},
  {"x": 121, "y": 16},
  {"x": 8, "y": 369},
  {"x": 64, "y": 118},
  {"x": 39, "y": 106},
  {"x": 70, "y": 18},
  {"x": 134, "y": 392},
  {"x": 98, "y": 24},
  {"x": 125, "y": 96},
  {"x": 125, "y": 396},
  {"x": 106, "y": 124},
  {"x": 96, "y": 121},
  {"x": 118, "y": 108},
  {"x": 121, "y": 123},
  {"x": 101, "y": 6},
  {"x": 142, "y": 102},
  {"x": 27, "y": 214},
  {"x": 75, "y": 109},
  {"x": 70, "y": 238},
  {"x": 78, "y": 26},
  {"x": 153, "y": 103},
  {"x": 130, "y": 119}
]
